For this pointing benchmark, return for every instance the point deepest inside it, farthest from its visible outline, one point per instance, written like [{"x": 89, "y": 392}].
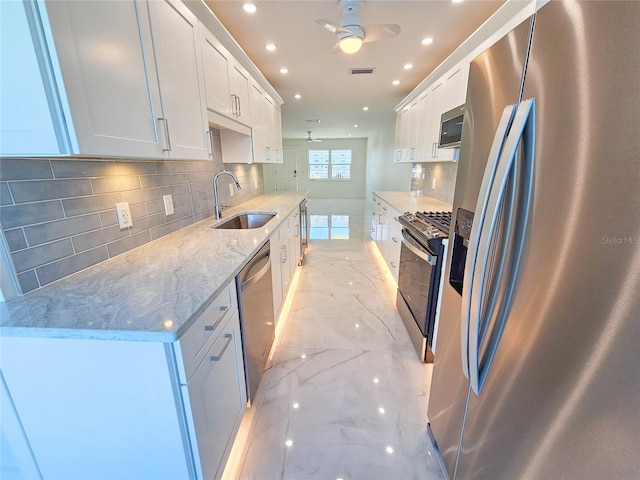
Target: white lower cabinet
[
  {"x": 105, "y": 409},
  {"x": 215, "y": 400},
  {"x": 285, "y": 252},
  {"x": 386, "y": 231}
]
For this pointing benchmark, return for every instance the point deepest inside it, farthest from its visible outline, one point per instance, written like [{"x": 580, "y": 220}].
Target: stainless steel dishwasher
[{"x": 255, "y": 299}]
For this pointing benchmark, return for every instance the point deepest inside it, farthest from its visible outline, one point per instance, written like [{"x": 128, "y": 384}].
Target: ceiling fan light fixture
[{"x": 350, "y": 44}]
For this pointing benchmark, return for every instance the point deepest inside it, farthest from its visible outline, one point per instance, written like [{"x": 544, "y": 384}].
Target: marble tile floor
[{"x": 344, "y": 396}]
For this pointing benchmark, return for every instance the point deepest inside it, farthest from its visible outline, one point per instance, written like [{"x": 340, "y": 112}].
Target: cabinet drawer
[{"x": 194, "y": 342}]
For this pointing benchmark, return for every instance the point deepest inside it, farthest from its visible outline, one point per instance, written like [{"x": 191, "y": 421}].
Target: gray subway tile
[
  {"x": 186, "y": 221},
  {"x": 148, "y": 222},
  {"x": 176, "y": 190},
  {"x": 126, "y": 244},
  {"x": 5, "y": 195},
  {"x": 170, "y": 167},
  {"x": 15, "y": 239},
  {"x": 28, "y": 213},
  {"x": 24, "y": 169},
  {"x": 36, "y": 190},
  {"x": 90, "y": 240},
  {"x": 28, "y": 281},
  {"x": 115, "y": 184},
  {"x": 36, "y": 256},
  {"x": 181, "y": 201},
  {"x": 138, "y": 211},
  {"x": 150, "y": 181},
  {"x": 83, "y": 168},
  {"x": 136, "y": 168},
  {"x": 181, "y": 178},
  {"x": 165, "y": 229},
  {"x": 63, "y": 268},
  {"x": 155, "y": 207},
  {"x": 141, "y": 196},
  {"x": 182, "y": 211},
  {"x": 46, "y": 232},
  {"x": 109, "y": 217},
  {"x": 96, "y": 203}
]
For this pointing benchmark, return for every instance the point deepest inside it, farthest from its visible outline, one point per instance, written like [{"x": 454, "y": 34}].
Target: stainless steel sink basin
[{"x": 244, "y": 221}]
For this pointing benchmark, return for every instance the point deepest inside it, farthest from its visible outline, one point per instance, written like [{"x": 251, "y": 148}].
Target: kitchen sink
[{"x": 244, "y": 221}]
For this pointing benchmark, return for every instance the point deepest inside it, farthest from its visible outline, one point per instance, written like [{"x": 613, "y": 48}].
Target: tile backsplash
[
  {"x": 437, "y": 180},
  {"x": 58, "y": 215}
]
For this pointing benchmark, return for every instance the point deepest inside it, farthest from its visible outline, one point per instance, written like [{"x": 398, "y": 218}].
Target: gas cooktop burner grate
[{"x": 442, "y": 220}]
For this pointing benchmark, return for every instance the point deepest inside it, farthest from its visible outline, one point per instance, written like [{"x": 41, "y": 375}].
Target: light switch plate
[
  {"x": 124, "y": 215},
  {"x": 168, "y": 204},
  {"x": 231, "y": 193}
]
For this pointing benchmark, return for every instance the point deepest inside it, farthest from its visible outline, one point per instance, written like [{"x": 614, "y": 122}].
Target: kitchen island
[{"x": 134, "y": 368}]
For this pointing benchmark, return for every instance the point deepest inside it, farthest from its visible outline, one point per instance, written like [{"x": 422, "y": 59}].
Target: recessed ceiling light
[
  {"x": 297, "y": 96},
  {"x": 396, "y": 82},
  {"x": 427, "y": 41},
  {"x": 249, "y": 7},
  {"x": 456, "y": 1},
  {"x": 365, "y": 108},
  {"x": 355, "y": 126},
  {"x": 408, "y": 66},
  {"x": 284, "y": 70},
  {"x": 271, "y": 47}
]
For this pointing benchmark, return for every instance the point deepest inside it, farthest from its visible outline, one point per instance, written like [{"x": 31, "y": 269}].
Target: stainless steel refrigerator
[{"x": 537, "y": 374}]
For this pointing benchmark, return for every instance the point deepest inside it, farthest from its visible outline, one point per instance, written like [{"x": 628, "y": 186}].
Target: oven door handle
[{"x": 414, "y": 247}]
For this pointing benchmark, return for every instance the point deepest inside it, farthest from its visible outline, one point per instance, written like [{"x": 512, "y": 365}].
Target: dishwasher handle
[{"x": 262, "y": 265}]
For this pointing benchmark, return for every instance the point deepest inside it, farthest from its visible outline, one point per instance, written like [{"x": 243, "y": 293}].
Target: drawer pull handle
[
  {"x": 217, "y": 358},
  {"x": 223, "y": 311},
  {"x": 395, "y": 239}
]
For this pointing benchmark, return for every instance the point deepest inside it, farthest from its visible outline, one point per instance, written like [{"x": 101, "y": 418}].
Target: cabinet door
[
  {"x": 215, "y": 60},
  {"x": 110, "y": 83},
  {"x": 269, "y": 147},
  {"x": 392, "y": 251},
  {"x": 398, "y": 152},
  {"x": 176, "y": 44},
  {"x": 28, "y": 126},
  {"x": 276, "y": 127},
  {"x": 240, "y": 94},
  {"x": 258, "y": 128},
  {"x": 422, "y": 148},
  {"x": 456, "y": 86},
  {"x": 433, "y": 125},
  {"x": 216, "y": 397}
]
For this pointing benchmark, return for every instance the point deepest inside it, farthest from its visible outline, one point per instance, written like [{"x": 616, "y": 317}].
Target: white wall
[
  {"x": 382, "y": 173},
  {"x": 354, "y": 188}
]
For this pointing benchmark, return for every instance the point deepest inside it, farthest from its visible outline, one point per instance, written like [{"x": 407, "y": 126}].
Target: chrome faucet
[{"x": 217, "y": 205}]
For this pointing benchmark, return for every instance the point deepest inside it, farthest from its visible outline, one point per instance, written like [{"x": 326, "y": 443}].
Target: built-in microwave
[{"x": 451, "y": 128}]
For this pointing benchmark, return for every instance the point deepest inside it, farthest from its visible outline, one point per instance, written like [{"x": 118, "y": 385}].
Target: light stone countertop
[
  {"x": 413, "y": 202},
  {"x": 152, "y": 293}
]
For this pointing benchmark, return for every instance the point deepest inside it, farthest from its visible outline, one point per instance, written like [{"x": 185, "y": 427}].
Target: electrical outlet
[
  {"x": 255, "y": 183},
  {"x": 231, "y": 187},
  {"x": 168, "y": 204},
  {"x": 124, "y": 215},
  {"x": 433, "y": 184}
]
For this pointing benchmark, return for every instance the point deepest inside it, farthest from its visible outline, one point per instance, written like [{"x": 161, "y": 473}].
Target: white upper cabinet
[
  {"x": 27, "y": 125},
  {"x": 124, "y": 79},
  {"x": 216, "y": 74},
  {"x": 418, "y": 124},
  {"x": 258, "y": 131},
  {"x": 276, "y": 130},
  {"x": 239, "y": 81},
  {"x": 176, "y": 43}
]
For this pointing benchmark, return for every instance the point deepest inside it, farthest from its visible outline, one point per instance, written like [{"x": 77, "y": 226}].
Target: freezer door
[
  {"x": 494, "y": 83},
  {"x": 561, "y": 398}
]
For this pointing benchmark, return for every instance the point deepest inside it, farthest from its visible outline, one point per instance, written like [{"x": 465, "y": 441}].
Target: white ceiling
[{"x": 329, "y": 94}]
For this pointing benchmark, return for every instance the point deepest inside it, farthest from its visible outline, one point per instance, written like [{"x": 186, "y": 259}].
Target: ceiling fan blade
[
  {"x": 373, "y": 33},
  {"x": 316, "y": 140},
  {"x": 331, "y": 26}
]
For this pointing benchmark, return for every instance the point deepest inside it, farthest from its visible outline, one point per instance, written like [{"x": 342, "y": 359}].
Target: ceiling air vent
[{"x": 362, "y": 71}]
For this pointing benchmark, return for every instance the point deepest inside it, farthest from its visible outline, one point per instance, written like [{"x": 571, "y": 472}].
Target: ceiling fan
[
  {"x": 309, "y": 139},
  {"x": 351, "y": 32}
]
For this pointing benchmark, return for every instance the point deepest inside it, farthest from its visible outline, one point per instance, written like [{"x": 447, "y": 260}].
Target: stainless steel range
[{"x": 424, "y": 243}]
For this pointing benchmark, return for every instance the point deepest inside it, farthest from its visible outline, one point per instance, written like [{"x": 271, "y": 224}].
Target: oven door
[{"x": 418, "y": 281}]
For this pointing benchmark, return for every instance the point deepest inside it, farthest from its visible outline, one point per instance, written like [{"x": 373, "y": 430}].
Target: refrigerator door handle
[
  {"x": 476, "y": 230},
  {"x": 523, "y": 128}
]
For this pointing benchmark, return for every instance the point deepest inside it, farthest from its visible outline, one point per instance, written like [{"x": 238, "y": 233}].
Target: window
[{"x": 330, "y": 164}]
